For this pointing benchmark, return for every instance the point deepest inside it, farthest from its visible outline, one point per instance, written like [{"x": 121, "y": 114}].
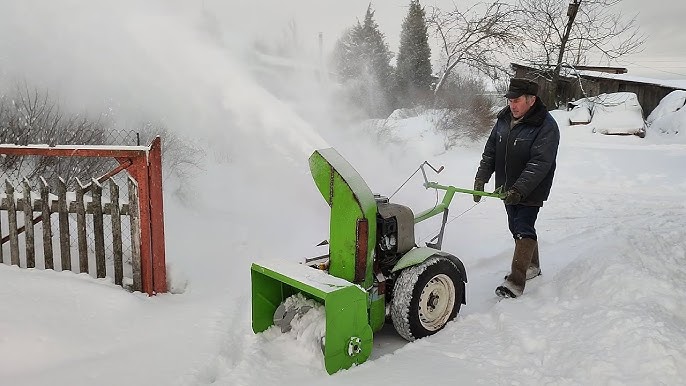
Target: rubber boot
[
  {"x": 534, "y": 269},
  {"x": 513, "y": 286},
  {"x": 535, "y": 266}
]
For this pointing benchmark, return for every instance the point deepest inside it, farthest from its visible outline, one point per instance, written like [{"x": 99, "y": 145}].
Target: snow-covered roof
[
  {"x": 676, "y": 83},
  {"x": 570, "y": 72}
]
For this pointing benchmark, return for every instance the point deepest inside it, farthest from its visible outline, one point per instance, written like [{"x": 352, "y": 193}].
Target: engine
[{"x": 395, "y": 232}]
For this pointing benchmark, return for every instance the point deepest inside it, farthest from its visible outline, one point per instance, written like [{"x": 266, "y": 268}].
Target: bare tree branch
[
  {"x": 559, "y": 32},
  {"x": 476, "y": 37}
]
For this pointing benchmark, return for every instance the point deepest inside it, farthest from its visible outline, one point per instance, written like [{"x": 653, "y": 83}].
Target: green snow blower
[{"x": 373, "y": 269}]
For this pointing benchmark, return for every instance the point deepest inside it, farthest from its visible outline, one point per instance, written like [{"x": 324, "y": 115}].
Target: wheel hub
[
  {"x": 436, "y": 302},
  {"x": 433, "y": 300}
]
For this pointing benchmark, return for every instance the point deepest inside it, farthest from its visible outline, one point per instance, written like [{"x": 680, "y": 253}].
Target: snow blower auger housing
[{"x": 373, "y": 269}]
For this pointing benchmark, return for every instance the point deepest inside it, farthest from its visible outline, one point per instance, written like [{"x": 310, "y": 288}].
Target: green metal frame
[
  {"x": 354, "y": 308},
  {"x": 351, "y": 313},
  {"x": 414, "y": 257},
  {"x": 348, "y": 340},
  {"x": 448, "y": 197},
  {"x": 351, "y": 203}
]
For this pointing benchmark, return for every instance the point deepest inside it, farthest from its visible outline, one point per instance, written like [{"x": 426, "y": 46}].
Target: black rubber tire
[{"x": 435, "y": 275}]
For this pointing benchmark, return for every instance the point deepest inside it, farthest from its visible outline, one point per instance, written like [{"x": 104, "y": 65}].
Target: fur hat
[{"x": 521, "y": 86}]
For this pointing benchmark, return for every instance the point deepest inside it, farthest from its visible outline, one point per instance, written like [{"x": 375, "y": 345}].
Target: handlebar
[{"x": 449, "y": 193}]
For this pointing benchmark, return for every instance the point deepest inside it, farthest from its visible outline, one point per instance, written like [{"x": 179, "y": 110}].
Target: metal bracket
[
  {"x": 354, "y": 346},
  {"x": 439, "y": 236}
]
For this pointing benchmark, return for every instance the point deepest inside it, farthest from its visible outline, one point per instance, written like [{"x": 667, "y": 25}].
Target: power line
[
  {"x": 655, "y": 69},
  {"x": 659, "y": 61}
]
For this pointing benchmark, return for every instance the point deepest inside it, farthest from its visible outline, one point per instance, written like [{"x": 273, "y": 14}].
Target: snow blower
[{"x": 373, "y": 270}]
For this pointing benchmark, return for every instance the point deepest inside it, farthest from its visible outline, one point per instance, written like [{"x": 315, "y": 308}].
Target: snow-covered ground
[{"x": 609, "y": 308}]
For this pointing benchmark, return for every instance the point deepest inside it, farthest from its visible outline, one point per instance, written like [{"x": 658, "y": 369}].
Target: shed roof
[
  {"x": 675, "y": 83},
  {"x": 568, "y": 72}
]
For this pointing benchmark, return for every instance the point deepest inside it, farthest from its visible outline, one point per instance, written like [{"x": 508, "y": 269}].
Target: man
[{"x": 521, "y": 150}]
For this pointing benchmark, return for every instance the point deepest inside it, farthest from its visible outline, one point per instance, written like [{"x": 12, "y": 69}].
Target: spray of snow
[{"x": 172, "y": 62}]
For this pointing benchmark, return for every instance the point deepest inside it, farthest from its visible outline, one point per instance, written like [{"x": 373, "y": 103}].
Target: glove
[
  {"x": 479, "y": 186},
  {"x": 512, "y": 197}
]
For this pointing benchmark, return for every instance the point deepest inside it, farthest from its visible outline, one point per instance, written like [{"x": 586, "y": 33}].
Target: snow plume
[
  {"x": 188, "y": 65},
  {"x": 193, "y": 67}
]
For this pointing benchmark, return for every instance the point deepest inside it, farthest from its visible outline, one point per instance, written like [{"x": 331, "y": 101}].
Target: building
[{"x": 591, "y": 81}]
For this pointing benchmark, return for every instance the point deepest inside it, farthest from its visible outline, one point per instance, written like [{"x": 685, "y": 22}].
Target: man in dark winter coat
[{"x": 521, "y": 150}]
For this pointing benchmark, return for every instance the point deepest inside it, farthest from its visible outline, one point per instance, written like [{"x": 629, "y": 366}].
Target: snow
[
  {"x": 669, "y": 104},
  {"x": 142, "y": 149},
  {"x": 673, "y": 83},
  {"x": 313, "y": 277},
  {"x": 669, "y": 116},
  {"x": 307, "y": 331},
  {"x": 672, "y": 123},
  {"x": 608, "y": 309},
  {"x": 580, "y": 115}
]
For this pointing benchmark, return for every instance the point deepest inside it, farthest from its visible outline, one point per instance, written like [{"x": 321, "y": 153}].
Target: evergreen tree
[
  {"x": 362, "y": 62},
  {"x": 413, "y": 72},
  {"x": 345, "y": 54},
  {"x": 375, "y": 56}
]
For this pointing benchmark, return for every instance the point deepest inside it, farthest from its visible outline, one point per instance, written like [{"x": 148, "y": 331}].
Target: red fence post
[
  {"x": 159, "y": 267},
  {"x": 139, "y": 171}
]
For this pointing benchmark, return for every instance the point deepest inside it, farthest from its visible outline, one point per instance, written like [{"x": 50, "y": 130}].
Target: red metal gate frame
[{"x": 144, "y": 164}]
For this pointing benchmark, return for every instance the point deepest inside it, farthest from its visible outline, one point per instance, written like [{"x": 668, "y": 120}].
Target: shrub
[{"x": 467, "y": 109}]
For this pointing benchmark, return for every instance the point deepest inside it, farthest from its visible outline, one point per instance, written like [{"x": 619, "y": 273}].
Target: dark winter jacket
[{"x": 523, "y": 158}]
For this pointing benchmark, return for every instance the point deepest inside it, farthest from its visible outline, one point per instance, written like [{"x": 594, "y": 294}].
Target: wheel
[{"x": 426, "y": 297}]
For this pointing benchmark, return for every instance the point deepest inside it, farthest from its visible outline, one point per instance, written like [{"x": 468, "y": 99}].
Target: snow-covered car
[
  {"x": 669, "y": 117},
  {"x": 613, "y": 114}
]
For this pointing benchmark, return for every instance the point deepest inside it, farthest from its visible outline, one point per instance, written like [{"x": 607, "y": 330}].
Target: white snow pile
[
  {"x": 307, "y": 332},
  {"x": 400, "y": 129},
  {"x": 669, "y": 116}
]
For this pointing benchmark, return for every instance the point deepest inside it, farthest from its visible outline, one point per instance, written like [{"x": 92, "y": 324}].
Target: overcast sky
[
  {"x": 665, "y": 49},
  {"x": 147, "y": 55},
  {"x": 664, "y": 55}
]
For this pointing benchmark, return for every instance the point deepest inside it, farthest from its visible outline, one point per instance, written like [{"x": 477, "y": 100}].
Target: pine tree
[
  {"x": 376, "y": 56},
  {"x": 362, "y": 61},
  {"x": 346, "y": 52},
  {"x": 413, "y": 73}
]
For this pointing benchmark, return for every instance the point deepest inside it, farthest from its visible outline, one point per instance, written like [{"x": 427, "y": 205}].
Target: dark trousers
[{"x": 521, "y": 220}]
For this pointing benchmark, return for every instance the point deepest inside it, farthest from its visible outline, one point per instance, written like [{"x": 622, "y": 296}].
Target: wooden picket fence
[
  {"x": 145, "y": 211},
  {"x": 86, "y": 200}
]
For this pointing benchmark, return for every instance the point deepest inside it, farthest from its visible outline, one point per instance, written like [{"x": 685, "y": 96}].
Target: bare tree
[
  {"x": 29, "y": 116},
  {"x": 182, "y": 156},
  {"x": 562, "y": 34},
  {"x": 32, "y": 117},
  {"x": 477, "y": 37}
]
